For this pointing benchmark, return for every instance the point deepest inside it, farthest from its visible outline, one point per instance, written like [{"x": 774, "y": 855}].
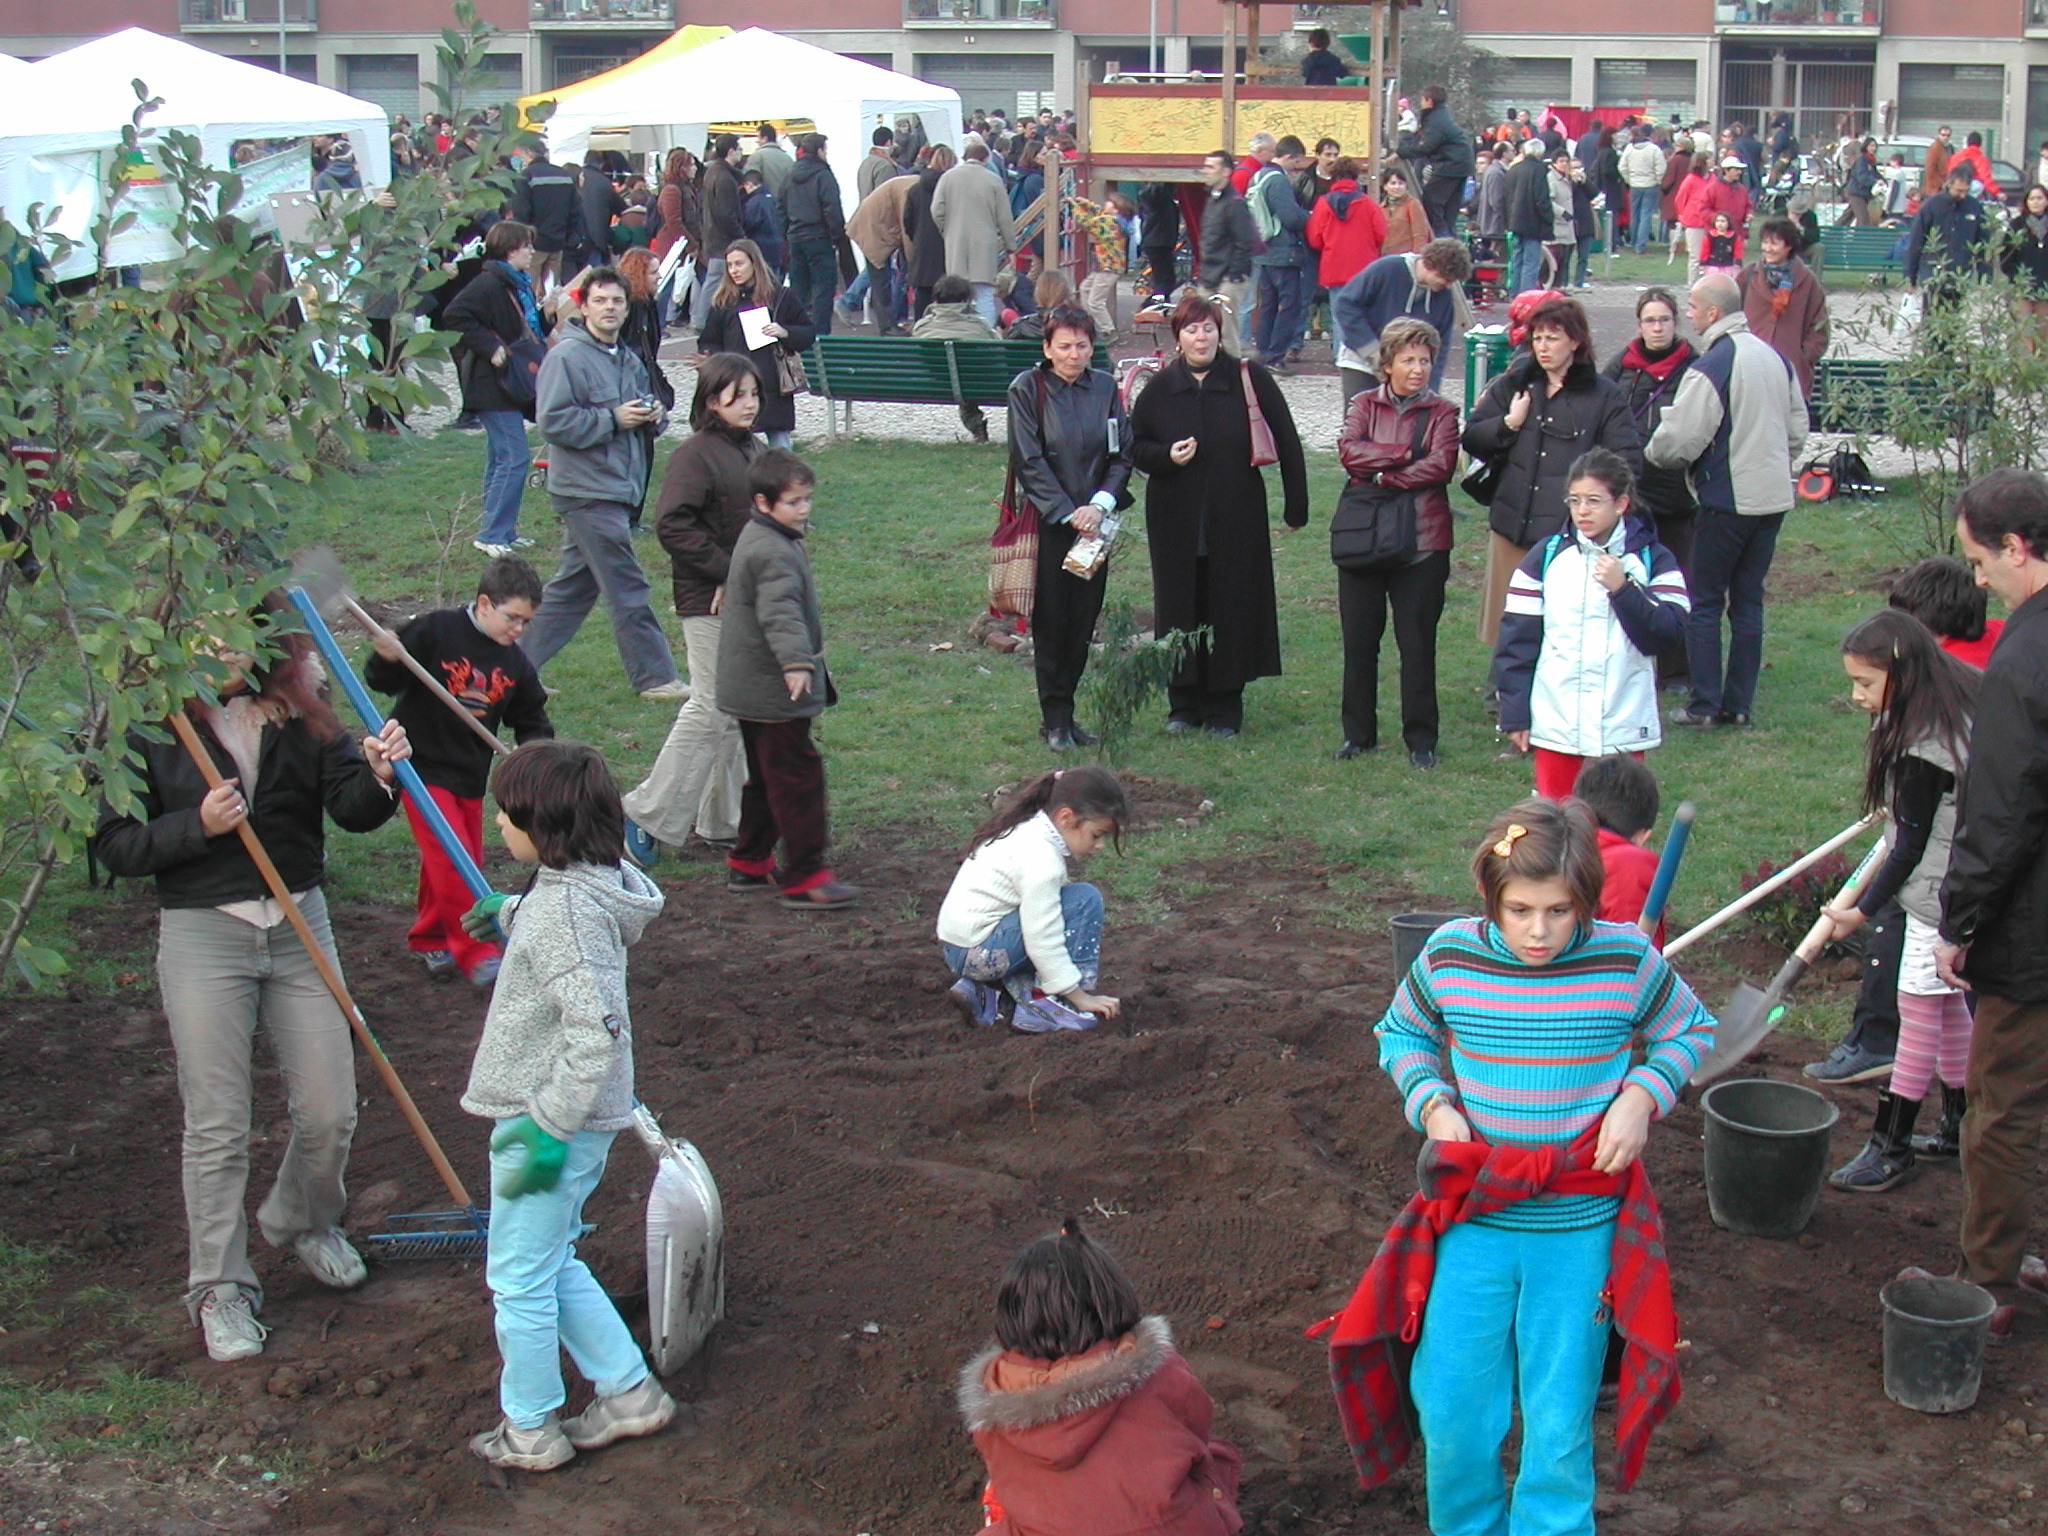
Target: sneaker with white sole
[
  {"x": 641, "y": 847},
  {"x": 490, "y": 551},
  {"x": 674, "y": 691},
  {"x": 439, "y": 963},
  {"x": 639, "y": 1410},
  {"x": 977, "y": 1001},
  {"x": 331, "y": 1259},
  {"x": 540, "y": 1449},
  {"x": 229, "y": 1324},
  {"x": 1043, "y": 1015}
]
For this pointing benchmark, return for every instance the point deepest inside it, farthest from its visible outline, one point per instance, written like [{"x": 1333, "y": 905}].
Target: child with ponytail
[
  {"x": 1015, "y": 922},
  {"x": 1922, "y": 699},
  {"x": 1087, "y": 1418},
  {"x": 1534, "y": 1233}
]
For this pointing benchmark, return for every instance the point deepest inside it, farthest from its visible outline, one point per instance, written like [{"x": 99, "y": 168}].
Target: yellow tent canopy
[{"x": 682, "y": 40}]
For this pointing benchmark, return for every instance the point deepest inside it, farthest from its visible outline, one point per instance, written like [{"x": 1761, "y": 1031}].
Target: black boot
[
  {"x": 1888, "y": 1159},
  {"x": 1947, "y": 1138}
]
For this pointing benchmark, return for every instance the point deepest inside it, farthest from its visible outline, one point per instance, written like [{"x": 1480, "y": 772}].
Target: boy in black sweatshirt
[{"x": 474, "y": 652}]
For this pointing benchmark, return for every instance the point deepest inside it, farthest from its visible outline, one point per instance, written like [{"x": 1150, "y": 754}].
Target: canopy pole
[
  {"x": 1375, "y": 134},
  {"x": 1230, "y": 79}
]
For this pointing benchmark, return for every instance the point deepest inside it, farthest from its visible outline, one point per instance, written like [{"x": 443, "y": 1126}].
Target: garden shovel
[
  {"x": 685, "y": 1246},
  {"x": 1752, "y": 1014}
]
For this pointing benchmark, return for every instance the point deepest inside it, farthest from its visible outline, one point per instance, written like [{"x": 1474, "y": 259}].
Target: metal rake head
[
  {"x": 451, "y": 1234},
  {"x": 319, "y": 571}
]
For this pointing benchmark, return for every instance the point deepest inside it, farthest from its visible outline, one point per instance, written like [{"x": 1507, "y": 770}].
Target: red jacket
[
  {"x": 1348, "y": 227},
  {"x": 1971, "y": 158},
  {"x": 1690, "y": 192},
  {"x": 1731, "y": 198},
  {"x": 1460, "y": 1180},
  {"x": 1114, "y": 1442},
  {"x": 1247, "y": 168},
  {"x": 1378, "y": 442},
  {"x": 1630, "y": 869}
]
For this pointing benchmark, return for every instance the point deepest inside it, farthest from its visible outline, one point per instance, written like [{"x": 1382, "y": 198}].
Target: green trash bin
[{"x": 1486, "y": 354}]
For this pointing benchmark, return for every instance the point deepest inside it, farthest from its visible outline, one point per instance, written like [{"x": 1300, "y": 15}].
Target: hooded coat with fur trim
[{"x": 1114, "y": 1442}]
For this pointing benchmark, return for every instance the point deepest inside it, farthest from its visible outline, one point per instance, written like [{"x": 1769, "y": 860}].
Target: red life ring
[{"x": 1816, "y": 485}]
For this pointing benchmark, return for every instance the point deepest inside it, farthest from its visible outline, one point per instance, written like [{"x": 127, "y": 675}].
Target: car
[{"x": 2012, "y": 181}]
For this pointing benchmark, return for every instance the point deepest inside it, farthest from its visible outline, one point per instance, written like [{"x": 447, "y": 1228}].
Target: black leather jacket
[{"x": 1078, "y": 443}]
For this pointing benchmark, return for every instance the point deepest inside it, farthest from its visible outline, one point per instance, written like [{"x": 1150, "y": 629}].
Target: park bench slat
[{"x": 913, "y": 371}]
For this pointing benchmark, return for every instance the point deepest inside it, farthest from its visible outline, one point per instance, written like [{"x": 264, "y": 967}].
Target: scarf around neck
[{"x": 1658, "y": 365}]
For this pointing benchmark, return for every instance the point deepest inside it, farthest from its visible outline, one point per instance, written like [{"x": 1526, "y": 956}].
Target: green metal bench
[
  {"x": 1860, "y": 394},
  {"x": 1848, "y": 248},
  {"x": 908, "y": 371}
]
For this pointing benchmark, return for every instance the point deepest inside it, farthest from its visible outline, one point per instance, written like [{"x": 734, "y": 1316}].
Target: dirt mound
[{"x": 1232, "y": 1139}]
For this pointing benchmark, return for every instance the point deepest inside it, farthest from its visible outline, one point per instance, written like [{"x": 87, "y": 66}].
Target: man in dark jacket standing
[
  {"x": 599, "y": 203},
  {"x": 1946, "y": 239},
  {"x": 1228, "y": 241},
  {"x": 547, "y": 197},
  {"x": 1530, "y": 217},
  {"x": 1994, "y": 903},
  {"x": 1444, "y": 150},
  {"x": 814, "y": 223},
  {"x": 592, "y": 398},
  {"x": 1283, "y": 266}
]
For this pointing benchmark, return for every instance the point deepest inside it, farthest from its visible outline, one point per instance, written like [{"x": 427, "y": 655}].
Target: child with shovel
[
  {"x": 554, "y": 1071},
  {"x": 1922, "y": 700}
]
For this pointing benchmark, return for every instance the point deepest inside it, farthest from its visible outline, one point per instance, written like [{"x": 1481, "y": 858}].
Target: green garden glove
[
  {"x": 480, "y": 922},
  {"x": 545, "y": 1156}
]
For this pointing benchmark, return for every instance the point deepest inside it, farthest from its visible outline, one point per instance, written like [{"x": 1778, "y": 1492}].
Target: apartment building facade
[{"x": 1975, "y": 64}]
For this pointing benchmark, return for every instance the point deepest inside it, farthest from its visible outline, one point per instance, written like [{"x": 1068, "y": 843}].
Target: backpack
[{"x": 1264, "y": 219}]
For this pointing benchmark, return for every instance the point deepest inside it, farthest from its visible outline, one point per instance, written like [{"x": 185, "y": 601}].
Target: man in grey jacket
[
  {"x": 1228, "y": 242},
  {"x": 597, "y": 409},
  {"x": 1737, "y": 423}
]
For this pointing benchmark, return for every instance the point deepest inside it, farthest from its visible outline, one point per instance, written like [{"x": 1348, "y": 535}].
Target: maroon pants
[
  {"x": 784, "y": 800},
  {"x": 443, "y": 897}
]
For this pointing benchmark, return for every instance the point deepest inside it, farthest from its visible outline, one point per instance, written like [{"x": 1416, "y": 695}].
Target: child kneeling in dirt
[
  {"x": 1013, "y": 921},
  {"x": 1534, "y": 1233},
  {"x": 1086, "y": 1417},
  {"x": 554, "y": 1071}
]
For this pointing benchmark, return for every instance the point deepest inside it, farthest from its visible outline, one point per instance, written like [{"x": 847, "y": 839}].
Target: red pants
[
  {"x": 443, "y": 897},
  {"x": 1558, "y": 772},
  {"x": 784, "y": 800}
]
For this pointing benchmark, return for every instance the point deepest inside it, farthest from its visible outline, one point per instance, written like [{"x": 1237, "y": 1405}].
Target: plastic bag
[{"x": 1906, "y": 318}]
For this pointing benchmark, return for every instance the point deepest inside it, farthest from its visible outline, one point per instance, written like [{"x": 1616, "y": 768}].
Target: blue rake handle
[
  {"x": 1667, "y": 866},
  {"x": 373, "y": 721}
]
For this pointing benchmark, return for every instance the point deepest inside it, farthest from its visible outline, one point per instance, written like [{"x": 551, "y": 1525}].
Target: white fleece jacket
[
  {"x": 1022, "y": 872},
  {"x": 558, "y": 1041}
]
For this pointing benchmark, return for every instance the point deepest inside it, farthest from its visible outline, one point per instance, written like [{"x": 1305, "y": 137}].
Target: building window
[
  {"x": 1964, "y": 96},
  {"x": 1664, "y": 86}
]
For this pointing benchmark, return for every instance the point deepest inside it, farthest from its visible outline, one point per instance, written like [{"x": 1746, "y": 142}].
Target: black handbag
[
  {"x": 520, "y": 372},
  {"x": 1482, "y": 480},
  {"x": 1373, "y": 528}
]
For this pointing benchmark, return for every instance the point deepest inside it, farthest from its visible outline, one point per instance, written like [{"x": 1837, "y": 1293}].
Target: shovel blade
[{"x": 685, "y": 1256}]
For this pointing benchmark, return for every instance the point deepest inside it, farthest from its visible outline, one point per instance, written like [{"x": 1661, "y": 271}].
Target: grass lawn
[{"x": 927, "y": 724}]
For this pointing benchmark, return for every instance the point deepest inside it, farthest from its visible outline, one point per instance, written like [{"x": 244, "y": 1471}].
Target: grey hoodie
[
  {"x": 558, "y": 1041},
  {"x": 590, "y": 456}
]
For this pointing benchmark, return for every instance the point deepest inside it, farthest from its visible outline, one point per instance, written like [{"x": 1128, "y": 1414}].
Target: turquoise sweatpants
[{"x": 1512, "y": 1313}]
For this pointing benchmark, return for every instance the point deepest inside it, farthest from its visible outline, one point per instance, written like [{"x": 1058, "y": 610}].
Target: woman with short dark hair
[
  {"x": 1648, "y": 371},
  {"x": 1786, "y": 305},
  {"x": 1069, "y": 451},
  {"x": 1205, "y": 516},
  {"x": 493, "y": 312}
]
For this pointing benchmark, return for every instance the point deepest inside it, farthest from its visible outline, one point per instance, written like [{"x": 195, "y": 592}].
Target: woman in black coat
[
  {"x": 1205, "y": 516},
  {"x": 927, "y": 241},
  {"x": 496, "y": 310},
  {"x": 1546, "y": 408},
  {"x": 2026, "y": 259},
  {"x": 749, "y": 284},
  {"x": 1647, "y": 371}
]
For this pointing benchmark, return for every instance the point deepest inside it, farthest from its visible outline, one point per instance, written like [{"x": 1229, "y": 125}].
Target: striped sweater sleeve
[
  {"x": 1675, "y": 1028},
  {"x": 1411, "y": 1039}
]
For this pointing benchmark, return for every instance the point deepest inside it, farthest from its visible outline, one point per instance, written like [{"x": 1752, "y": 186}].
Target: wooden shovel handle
[
  {"x": 328, "y": 971},
  {"x": 411, "y": 663},
  {"x": 1823, "y": 929},
  {"x": 1750, "y": 898}
]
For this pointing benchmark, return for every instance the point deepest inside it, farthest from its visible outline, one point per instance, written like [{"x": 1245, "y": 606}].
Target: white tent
[
  {"x": 11, "y": 69},
  {"x": 749, "y": 77},
  {"x": 61, "y": 117}
]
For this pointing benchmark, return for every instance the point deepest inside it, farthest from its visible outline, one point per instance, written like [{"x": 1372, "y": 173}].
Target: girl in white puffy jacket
[
  {"x": 1587, "y": 612},
  {"x": 1014, "y": 922}
]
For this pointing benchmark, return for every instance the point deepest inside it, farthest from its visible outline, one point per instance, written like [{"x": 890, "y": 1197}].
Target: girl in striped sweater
[{"x": 1516, "y": 1029}]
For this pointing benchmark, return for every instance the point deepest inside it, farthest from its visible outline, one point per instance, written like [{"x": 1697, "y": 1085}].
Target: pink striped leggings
[{"x": 1934, "y": 1036}]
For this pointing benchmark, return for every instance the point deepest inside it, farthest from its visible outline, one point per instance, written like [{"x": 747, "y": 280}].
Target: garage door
[
  {"x": 1965, "y": 96},
  {"x": 1666, "y": 86},
  {"x": 1533, "y": 83},
  {"x": 987, "y": 80},
  {"x": 392, "y": 80}
]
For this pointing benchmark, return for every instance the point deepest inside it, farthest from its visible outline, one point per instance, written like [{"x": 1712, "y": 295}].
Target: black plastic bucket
[
  {"x": 1767, "y": 1151},
  {"x": 1934, "y": 1337},
  {"x": 1411, "y": 932}
]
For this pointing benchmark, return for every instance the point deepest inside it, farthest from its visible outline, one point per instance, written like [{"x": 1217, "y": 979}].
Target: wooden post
[
  {"x": 1230, "y": 79},
  {"x": 1375, "y": 144},
  {"x": 1251, "y": 41}
]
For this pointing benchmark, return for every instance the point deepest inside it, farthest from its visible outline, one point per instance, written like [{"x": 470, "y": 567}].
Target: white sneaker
[
  {"x": 333, "y": 1262},
  {"x": 541, "y": 1449},
  {"x": 676, "y": 691},
  {"x": 639, "y": 1410},
  {"x": 230, "y": 1326},
  {"x": 490, "y": 551}
]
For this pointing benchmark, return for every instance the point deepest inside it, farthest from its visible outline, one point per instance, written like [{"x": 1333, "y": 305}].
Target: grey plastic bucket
[
  {"x": 1934, "y": 1337},
  {"x": 1767, "y": 1151},
  {"x": 1411, "y": 932}
]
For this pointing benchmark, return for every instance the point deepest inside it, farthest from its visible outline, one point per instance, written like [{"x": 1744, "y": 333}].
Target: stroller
[{"x": 1487, "y": 286}]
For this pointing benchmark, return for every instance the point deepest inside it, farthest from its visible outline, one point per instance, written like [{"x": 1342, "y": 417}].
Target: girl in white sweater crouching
[{"x": 1014, "y": 922}]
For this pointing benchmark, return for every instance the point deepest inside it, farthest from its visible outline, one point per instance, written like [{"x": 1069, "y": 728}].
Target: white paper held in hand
[{"x": 754, "y": 325}]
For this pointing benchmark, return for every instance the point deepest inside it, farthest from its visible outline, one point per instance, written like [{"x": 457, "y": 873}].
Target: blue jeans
[
  {"x": 546, "y": 1299},
  {"x": 1000, "y": 959},
  {"x": 1512, "y": 1313},
  {"x": 814, "y": 278},
  {"x": 1528, "y": 265},
  {"x": 1281, "y": 312},
  {"x": 985, "y": 302},
  {"x": 1731, "y": 556},
  {"x": 1643, "y": 204},
  {"x": 779, "y": 439},
  {"x": 506, "y": 461},
  {"x": 1582, "y": 263}
]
